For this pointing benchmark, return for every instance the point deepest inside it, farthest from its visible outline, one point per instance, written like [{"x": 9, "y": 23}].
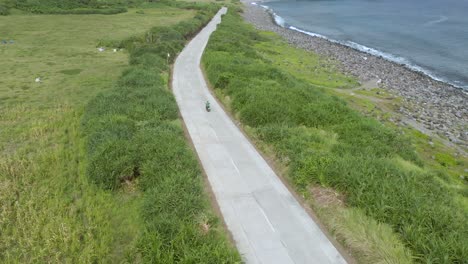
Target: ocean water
[{"x": 426, "y": 35}]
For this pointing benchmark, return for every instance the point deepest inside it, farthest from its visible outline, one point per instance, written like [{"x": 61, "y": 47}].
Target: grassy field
[
  {"x": 51, "y": 209},
  {"x": 104, "y": 7},
  {"x": 373, "y": 185},
  {"x": 370, "y": 101}
]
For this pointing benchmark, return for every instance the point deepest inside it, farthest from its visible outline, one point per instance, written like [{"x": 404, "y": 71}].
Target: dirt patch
[
  {"x": 326, "y": 197},
  {"x": 205, "y": 227},
  {"x": 129, "y": 183}
]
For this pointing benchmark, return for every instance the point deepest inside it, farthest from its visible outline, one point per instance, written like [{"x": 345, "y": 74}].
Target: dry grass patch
[{"x": 367, "y": 240}]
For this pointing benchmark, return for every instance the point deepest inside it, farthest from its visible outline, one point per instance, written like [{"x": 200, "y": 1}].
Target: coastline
[{"x": 437, "y": 106}]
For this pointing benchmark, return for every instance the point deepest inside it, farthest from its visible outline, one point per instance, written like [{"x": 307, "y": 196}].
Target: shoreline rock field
[{"x": 439, "y": 107}]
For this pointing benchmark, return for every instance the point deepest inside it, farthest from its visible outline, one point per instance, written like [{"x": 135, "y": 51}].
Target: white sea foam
[
  {"x": 390, "y": 57},
  {"x": 437, "y": 21},
  {"x": 378, "y": 53},
  {"x": 278, "y": 19},
  {"x": 313, "y": 34}
]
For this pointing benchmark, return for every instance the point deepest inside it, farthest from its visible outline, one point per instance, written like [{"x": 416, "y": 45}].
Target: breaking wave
[{"x": 390, "y": 57}]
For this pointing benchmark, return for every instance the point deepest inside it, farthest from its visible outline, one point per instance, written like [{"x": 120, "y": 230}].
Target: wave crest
[
  {"x": 387, "y": 56},
  {"x": 278, "y": 19}
]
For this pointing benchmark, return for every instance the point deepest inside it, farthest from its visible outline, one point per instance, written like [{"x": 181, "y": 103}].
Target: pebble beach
[{"x": 436, "y": 106}]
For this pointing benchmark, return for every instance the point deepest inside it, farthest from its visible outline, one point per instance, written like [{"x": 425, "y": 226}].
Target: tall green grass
[
  {"x": 5, "y": 6},
  {"x": 4, "y": 10},
  {"x": 324, "y": 141},
  {"x": 134, "y": 138},
  {"x": 49, "y": 209},
  {"x": 104, "y": 7}
]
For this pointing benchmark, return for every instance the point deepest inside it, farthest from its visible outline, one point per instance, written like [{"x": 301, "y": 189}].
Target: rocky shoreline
[{"x": 437, "y": 106}]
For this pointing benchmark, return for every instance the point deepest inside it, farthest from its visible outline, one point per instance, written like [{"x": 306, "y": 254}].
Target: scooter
[{"x": 207, "y": 106}]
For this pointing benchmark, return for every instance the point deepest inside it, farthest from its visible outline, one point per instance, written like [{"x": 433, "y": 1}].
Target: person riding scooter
[{"x": 207, "y": 106}]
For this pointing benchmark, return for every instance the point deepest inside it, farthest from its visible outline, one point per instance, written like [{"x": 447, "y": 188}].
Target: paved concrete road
[{"x": 267, "y": 223}]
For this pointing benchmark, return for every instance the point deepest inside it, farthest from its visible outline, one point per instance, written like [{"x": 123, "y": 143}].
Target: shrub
[
  {"x": 159, "y": 35},
  {"x": 83, "y": 11},
  {"x": 325, "y": 142},
  {"x": 149, "y": 60},
  {"x": 73, "y": 6},
  {"x": 132, "y": 136},
  {"x": 113, "y": 163},
  {"x": 130, "y": 43},
  {"x": 108, "y": 128},
  {"x": 140, "y": 77},
  {"x": 4, "y": 10}
]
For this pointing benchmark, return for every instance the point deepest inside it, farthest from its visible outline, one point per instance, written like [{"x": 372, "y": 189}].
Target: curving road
[{"x": 267, "y": 223}]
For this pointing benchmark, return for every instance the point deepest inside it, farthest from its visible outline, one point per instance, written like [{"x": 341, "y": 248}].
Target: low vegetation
[
  {"x": 95, "y": 167},
  {"x": 324, "y": 142},
  {"x": 104, "y": 7},
  {"x": 4, "y": 10},
  {"x": 134, "y": 137}
]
